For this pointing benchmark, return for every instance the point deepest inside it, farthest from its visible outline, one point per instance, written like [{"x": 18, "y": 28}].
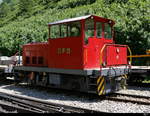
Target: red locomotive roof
[
  {"x": 36, "y": 43},
  {"x": 80, "y": 18}
]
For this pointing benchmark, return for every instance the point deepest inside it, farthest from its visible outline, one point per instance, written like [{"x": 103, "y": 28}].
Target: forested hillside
[{"x": 24, "y": 21}]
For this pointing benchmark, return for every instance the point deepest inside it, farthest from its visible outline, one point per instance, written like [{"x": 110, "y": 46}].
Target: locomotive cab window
[
  {"x": 54, "y": 31},
  {"x": 89, "y": 29},
  {"x": 99, "y": 29},
  {"x": 63, "y": 31},
  {"x": 72, "y": 29},
  {"x": 108, "y": 31}
]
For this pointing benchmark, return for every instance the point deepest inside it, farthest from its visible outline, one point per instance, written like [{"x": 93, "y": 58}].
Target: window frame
[
  {"x": 68, "y": 29},
  {"x": 106, "y": 37},
  {"x": 102, "y": 30},
  {"x": 94, "y": 27}
]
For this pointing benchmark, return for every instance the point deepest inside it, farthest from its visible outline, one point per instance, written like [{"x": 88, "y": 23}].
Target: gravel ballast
[{"x": 83, "y": 102}]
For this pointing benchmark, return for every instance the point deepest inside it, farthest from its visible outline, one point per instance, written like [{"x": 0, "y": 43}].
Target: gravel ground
[
  {"x": 136, "y": 91},
  {"x": 83, "y": 102}
]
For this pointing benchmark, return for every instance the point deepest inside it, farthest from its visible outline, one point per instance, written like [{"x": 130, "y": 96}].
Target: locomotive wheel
[
  {"x": 17, "y": 78},
  {"x": 75, "y": 86}
]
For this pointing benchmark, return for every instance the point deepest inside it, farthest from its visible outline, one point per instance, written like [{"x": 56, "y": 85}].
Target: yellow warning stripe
[
  {"x": 102, "y": 91},
  {"x": 124, "y": 76},
  {"x": 99, "y": 80},
  {"x": 101, "y": 86}
]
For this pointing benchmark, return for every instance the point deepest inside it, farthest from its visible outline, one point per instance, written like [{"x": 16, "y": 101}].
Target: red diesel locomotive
[{"x": 80, "y": 55}]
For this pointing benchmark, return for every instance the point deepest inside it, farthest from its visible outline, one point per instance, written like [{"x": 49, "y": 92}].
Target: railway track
[
  {"x": 145, "y": 85},
  {"x": 7, "y": 108},
  {"x": 136, "y": 99},
  {"x": 24, "y": 104}
]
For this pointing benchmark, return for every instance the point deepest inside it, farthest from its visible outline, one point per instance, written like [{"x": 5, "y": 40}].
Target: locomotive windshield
[
  {"x": 89, "y": 29},
  {"x": 99, "y": 29},
  {"x": 72, "y": 29},
  {"x": 103, "y": 30},
  {"x": 108, "y": 31}
]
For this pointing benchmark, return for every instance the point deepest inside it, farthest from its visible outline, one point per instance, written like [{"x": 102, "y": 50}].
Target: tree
[
  {"x": 4, "y": 9},
  {"x": 26, "y": 7}
]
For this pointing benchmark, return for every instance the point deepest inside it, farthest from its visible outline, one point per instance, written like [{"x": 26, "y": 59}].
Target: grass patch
[{"x": 147, "y": 80}]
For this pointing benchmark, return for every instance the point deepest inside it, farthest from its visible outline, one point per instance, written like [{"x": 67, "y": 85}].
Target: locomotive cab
[
  {"x": 84, "y": 43},
  {"x": 99, "y": 47}
]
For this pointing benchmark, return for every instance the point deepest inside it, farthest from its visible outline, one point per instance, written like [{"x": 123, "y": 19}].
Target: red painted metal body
[
  {"x": 66, "y": 53},
  {"x": 73, "y": 53},
  {"x": 116, "y": 55},
  {"x": 35, "y": 54},
  {"x": 92, "y": 52}
]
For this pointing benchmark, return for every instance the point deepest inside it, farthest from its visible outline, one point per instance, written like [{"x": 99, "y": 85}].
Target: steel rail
[
  {"x": 7, "y": 108},
  {"x": 45, "y": 107},
  {"x": 139, "y": 84},
  {"x": 136, "y": 99},
  {"x": 134, "y": 96}
]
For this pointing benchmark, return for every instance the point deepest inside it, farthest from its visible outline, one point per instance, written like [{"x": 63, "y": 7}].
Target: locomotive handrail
[
  {"x": 138, "y": 56},
  {"x": 103, "y": 48},
  {"x": 130, "y": 54}
]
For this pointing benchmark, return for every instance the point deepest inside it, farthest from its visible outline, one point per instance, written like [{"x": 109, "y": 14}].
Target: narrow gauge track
[
  {"x": 136, "y": 99},
  {"x": 145, "y": 85},
  {"x": 7, "y": 108},
  {"x": 39, "y": 106}
]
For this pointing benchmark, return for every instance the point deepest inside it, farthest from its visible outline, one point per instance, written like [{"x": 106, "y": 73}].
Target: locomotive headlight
[
  {"x": 117, "y": 50},
  {"x": 117, "y": 57},
  {"x": 110, "y": 22},
  {"x": 129, "y": 62}
]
